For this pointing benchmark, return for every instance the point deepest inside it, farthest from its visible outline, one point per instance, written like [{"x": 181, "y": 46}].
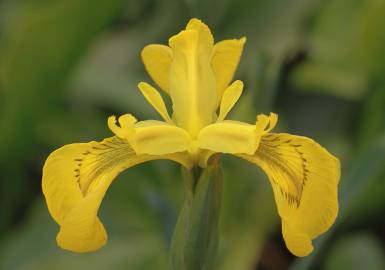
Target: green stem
[{"x": 196, "y": 236}]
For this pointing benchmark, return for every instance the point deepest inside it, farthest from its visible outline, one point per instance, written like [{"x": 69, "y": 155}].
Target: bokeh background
[{"x": 65, "y": 66}]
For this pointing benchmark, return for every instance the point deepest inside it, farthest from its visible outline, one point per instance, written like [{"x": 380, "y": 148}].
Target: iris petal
[
  {"x": 225, "y": 59},
  {"x": 230, "y": 97},
  {"x": 75, "y": 180},
  {"x": 157, "y": 60},
  {"x": 192, "y": 82},
  {"x": 304, "y": 177},
  {"x": 155, "y": 99}
]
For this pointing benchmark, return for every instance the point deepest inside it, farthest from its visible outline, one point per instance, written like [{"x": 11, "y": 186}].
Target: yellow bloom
[{"x": 197, "y": 75}]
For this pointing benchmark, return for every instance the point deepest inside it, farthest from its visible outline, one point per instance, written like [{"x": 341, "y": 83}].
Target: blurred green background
[{"x": 65, "y": 66}]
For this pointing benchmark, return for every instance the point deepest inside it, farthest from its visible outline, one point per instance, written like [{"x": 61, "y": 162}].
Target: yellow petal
[
  {"x": 155, "y": 99},
  {"x": 157, "y": 60},
  {"x": 229, "y": 137},
  {"x": 192, "y": 83},
  {"x": 75, "y": 179},
  {"x": 205, "y": 36},
  {"x": 230, "y": 97},
  {"x": 304, "y": 177},
  {"x": 225, "y": 59}
]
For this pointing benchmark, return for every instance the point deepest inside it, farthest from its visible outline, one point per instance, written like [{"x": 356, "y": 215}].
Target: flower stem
[{"x": 196, "y": 236}]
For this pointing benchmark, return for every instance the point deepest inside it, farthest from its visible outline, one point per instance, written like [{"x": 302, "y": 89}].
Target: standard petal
[
  {"x": 192, "y": 81},
  {"x": 157, "y": 60},
  {"x": 205, "y": 36},
  {"x": 75, "y": 179},
  {"x": 230, "y": 97},
  {"x": 155, "y": 99},
  {"x": 225, "y": 59},
  {"x": 304, "y": 177}
]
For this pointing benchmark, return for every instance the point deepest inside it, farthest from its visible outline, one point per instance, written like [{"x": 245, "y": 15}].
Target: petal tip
[
  {"x": 243, "y": 40},
  {"x": 238, "y": 83},
  {"x": 303, "y": 251},
  {"x": 81, "y": 246},
  {"x": 300, "y": 244},
  {"x": 196, "y": 23},
  {"x": 142, "y": 85},
  {"x": 144, "y": 51}
]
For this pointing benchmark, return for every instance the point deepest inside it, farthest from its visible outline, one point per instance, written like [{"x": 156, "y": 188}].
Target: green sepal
[{"x": 195, "y": 239}]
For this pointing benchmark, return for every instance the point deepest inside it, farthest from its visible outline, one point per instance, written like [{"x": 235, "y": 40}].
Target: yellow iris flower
[{"x": 197, "y": 75}]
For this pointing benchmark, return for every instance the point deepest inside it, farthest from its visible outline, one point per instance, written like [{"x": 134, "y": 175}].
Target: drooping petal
[
  {"x": 155, "y": 99},
  {"x": 157, "y": 60},
  {"x": 151, "y": 137},
  {"x": 225, "y": 59},
  {"x": 235, "y": 137},
  {"x": 192, "y": 83},
  {"x": 75, "y": 180},
  {"x": 230, "y": 97},
  {"x": 304, "y": 177}
]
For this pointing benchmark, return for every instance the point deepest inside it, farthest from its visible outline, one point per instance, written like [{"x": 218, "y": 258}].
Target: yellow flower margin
[{"x": 197, "y": 75}]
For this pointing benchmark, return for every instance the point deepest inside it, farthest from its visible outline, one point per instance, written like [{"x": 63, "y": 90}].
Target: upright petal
[
  {"x": 157, "y": 61},
  {"x": 230, "y": 97},
  {"x": 155, "y": 99},
  {"x": 75, "y": 180},
  {"x": 225, "y": 59},
  {"x": 205, "y": 36},
  {"x": 192, "y": 82},
  {"x": 304, "y": 177}
]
